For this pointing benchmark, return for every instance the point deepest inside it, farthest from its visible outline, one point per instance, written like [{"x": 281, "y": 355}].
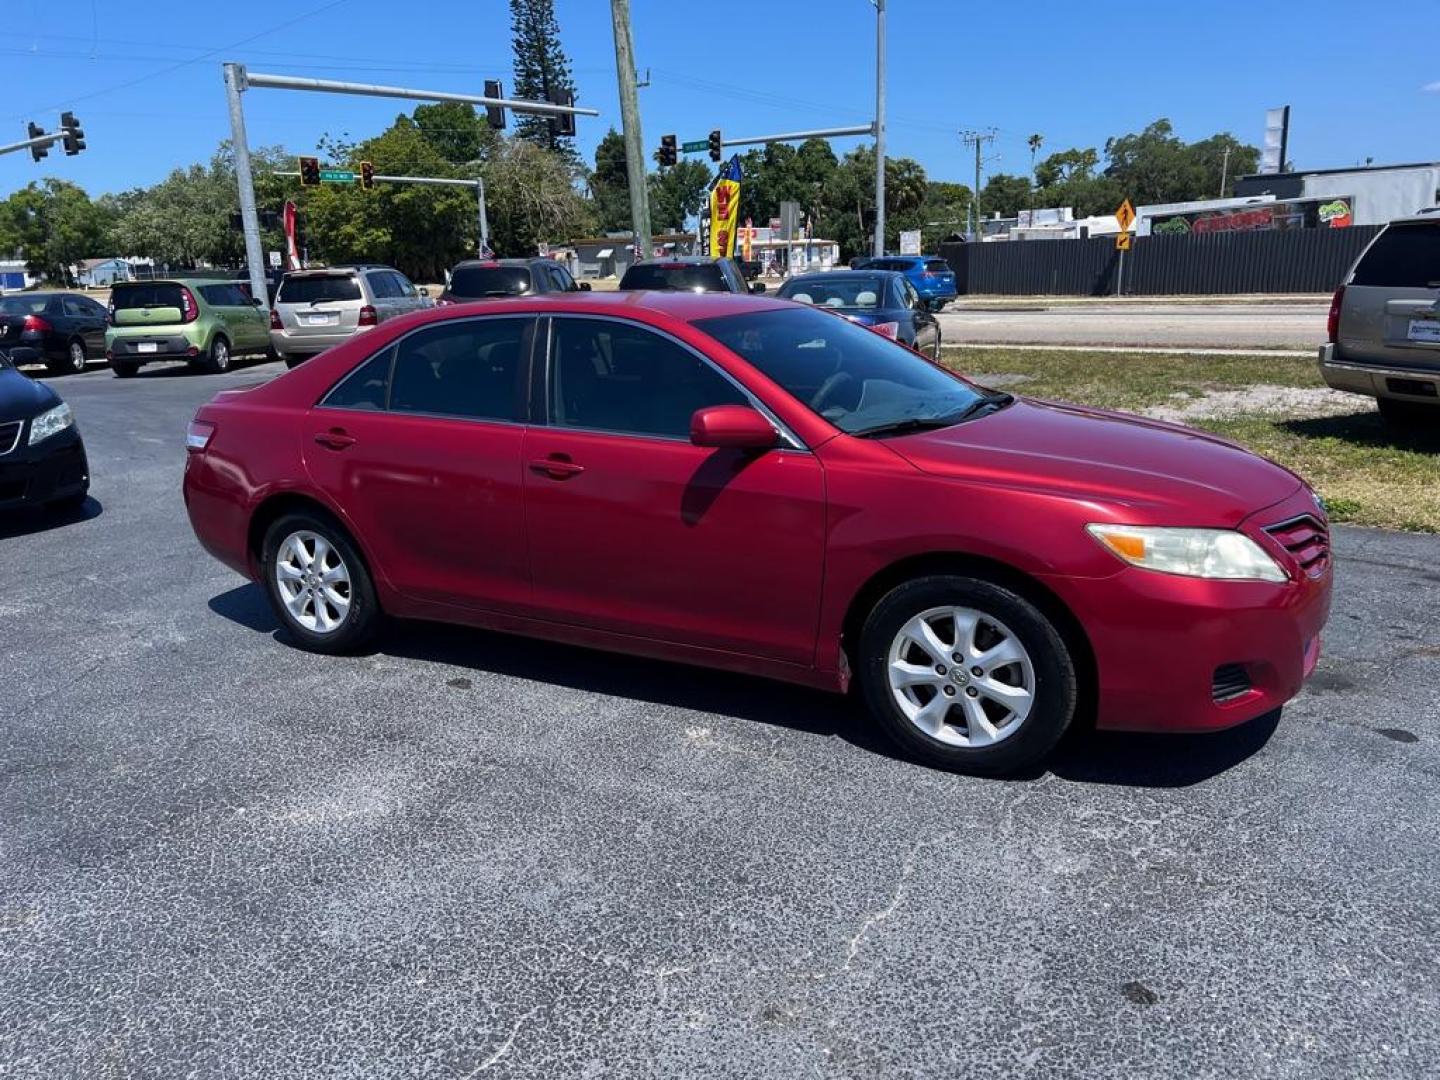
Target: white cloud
[{"x": 1431, "y": 88}]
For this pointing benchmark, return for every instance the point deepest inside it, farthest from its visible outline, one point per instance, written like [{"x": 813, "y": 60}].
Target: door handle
[
  {"x": 335, "y": 439},
  {"x": 556, "y": 467}
]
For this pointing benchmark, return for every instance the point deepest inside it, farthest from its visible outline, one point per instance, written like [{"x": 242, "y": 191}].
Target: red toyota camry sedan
[{"x": 757, "y": 485}]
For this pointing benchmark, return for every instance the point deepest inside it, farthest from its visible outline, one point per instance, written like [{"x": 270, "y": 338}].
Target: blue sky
[{"x": 149, "y": 93}]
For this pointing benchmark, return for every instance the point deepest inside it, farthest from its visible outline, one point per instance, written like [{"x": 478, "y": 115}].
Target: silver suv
[
  {"x": 1384, "y": 325},
  {"x": 315, "y": 309}
]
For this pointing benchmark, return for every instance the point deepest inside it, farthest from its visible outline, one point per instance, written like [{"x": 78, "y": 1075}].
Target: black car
[
  {"x": 883, "y": 300},
  {"x": 60, "y": 329},
  {"x": 485, "y": 279},
  {"x": 42, "y": 457},
  {"x": 689, "y": 273}
]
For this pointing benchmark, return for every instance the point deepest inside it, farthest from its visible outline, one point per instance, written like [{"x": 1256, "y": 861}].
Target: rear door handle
[
  {"x": 556, "y": 468},
  {"x": 335, "y": 439}
]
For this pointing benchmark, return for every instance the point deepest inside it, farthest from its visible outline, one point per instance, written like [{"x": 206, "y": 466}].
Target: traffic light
[
  {"x": 716, "y": 150},
  {"x": 667, "y": 150},
  {"x": 309, "y": 172},
  {"x": 494, "y": 114},
  {"x": 562, "y": 124},
  {"x": 367, "y": 175},
  {"x": 74, "y": 133},
  {"x": 37, "y": 152}
]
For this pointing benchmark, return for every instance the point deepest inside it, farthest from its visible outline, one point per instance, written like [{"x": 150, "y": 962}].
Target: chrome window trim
[{"x": 786, "y": 435}]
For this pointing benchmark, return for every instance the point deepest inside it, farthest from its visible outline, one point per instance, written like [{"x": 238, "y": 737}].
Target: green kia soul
[{"x": 205, "y": 322}]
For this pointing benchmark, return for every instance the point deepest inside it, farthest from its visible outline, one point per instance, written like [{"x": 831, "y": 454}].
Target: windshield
[
  {"x": 316, "y": 289},
  {"x": 23, "y": 305},
  {"x": 163, "y": 294},
  {"x": 860, "y": 293},
  {"x": 490, "y": 281},
  {"x": 850, "y": 375},
  {"x": 696, "y": 277}
]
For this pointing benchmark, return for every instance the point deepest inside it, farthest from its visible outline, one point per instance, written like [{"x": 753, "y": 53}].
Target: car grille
[
  {"x": 10, "y": 435},
  {"x": 1230, "y": 681},
  {"x": 1306, "y": 539}
]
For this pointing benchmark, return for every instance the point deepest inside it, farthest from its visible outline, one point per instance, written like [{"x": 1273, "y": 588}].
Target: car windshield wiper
[{"x": 931, "y": 423}]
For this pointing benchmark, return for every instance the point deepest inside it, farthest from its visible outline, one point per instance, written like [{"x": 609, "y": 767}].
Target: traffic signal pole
[{"x": 43, "y": 140}]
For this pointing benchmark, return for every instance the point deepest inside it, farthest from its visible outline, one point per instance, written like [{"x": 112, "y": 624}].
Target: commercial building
[{"x": 1376, "y": 193}]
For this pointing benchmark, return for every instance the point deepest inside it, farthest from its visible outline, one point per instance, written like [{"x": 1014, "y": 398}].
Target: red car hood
[{"x": 1167, "y": 473}]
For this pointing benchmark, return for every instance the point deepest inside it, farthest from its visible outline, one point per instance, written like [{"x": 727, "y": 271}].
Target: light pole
[{"x": 879, "y": 247}]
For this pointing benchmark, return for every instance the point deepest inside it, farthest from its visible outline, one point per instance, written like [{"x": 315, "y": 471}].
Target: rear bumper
[
  {"x": 293, "y": 343},
  {"x": 1418, "y": 383},
  {"x": 55, "y": 469},
  {"x": 138, "y": 349}
]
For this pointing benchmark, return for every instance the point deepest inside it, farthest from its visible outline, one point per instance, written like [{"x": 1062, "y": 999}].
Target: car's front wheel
[
  {"x": 318, "y": 584},
  {"x": 966, "y": 674}
]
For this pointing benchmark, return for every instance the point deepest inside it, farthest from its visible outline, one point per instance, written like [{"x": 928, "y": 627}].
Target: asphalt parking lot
[{"x": 465, "y": 854}]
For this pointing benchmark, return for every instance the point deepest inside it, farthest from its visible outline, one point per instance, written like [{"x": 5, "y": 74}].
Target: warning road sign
[
  {"x": 1122, "y": 241},
  {"x": 1125, "y": 215}
]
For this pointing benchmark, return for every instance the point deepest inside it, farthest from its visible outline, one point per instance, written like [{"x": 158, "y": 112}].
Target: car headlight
[
  {"x": 51, "y": 422},
  {"x": 1223, "y": 554}
]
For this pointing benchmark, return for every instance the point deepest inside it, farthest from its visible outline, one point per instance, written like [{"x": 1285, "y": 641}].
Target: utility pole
[
  {"x": 249, "y": 219},
  {"x": 1224, "y": 171},
  {"x": 977, "y": 139},
  {"x": 879, "y": 128},
  {"x": 630, "y": 125}
]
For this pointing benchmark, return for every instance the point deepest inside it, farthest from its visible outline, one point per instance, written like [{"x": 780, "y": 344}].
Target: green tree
[
  {"x": 610, "y": 183},
  {"x": 456, "y": 131},
  {"x": 540, "y": 67},
  {"x": 677, "y": 193},
  {"x": 1067, "y": 165},
  {"x": 52, "y": 225},
  {"x": 532, "y": 198},
  {"x": 1005, "y": 194}
]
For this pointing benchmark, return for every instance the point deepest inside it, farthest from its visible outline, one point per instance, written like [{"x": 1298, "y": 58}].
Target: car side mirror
[
  {"x": 757, "y": 286},
  {"x": 254, "y": 301},
  {"x": 584, "y": 286},
  {"x": 733, "y": 427}
]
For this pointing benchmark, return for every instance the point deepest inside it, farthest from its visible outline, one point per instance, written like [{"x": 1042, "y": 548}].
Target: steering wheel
[{"x": 828, "y": 388}]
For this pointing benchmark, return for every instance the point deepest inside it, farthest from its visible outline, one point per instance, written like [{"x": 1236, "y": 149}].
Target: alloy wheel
[
  {"x": 77, "y": 356},
  {"x": 313, "y": 581},
  {"x": 961, "y": 677}
]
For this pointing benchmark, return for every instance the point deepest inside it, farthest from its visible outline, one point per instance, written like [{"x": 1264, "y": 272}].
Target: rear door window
[
  {"x": 311, "y": 290},
  {"x": 1402, "y": 257},
  {"x": 469, "y": 369},
  {"x": 367, "y": 387},
  {"x": 149, "y": 295}
]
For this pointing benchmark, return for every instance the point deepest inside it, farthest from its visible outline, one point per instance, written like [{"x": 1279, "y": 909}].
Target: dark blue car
[
  {"x": 931, "y": 275},
  {"x": 882, "y": 300}
]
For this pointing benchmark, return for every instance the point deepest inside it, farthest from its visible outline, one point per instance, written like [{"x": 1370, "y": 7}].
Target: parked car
[
  {"x": 1384, "y": 325},
  {"x": 42, "y": 457},
  {"x": 931, "y": 275},
  {"x": 761, "y": 486},
  {"x": 60, "y": 329},
  {"x": 882, "y": 300},
  {"x": 272, "y": 277},
  {"x": 315, "y": 309},
  {"x": 688, "y": 273},
  {"x": 490, "y": 279},
  {"x": 204, "y": 322}
]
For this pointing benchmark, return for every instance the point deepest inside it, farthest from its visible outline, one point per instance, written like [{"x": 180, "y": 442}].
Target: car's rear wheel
[
  {"x": 219, "y": 359},
  {"x": 292, "y": 361},
  {"x": 1408, "y": 414},
  {"x": 74, "y": 361},
  {"x": 318, "y": 584},
  {"x": 967, "y": 675},
  {"x": 124, "y": 369}
]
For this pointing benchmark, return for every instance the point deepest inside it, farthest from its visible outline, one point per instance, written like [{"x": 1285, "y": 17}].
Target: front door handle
[
  {"x": 335, "y": 439},
  {"x": 557, "y": 467}
]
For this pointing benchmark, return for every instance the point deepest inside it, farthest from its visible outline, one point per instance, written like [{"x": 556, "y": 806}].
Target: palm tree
[{"x": 1035, "y": 141}]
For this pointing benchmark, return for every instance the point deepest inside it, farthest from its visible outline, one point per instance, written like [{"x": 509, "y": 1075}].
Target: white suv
[{"x": 315, "y": 309}]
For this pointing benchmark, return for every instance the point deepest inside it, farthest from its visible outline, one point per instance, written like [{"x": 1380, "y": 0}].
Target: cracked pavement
[{"x": 468, "y": 855}]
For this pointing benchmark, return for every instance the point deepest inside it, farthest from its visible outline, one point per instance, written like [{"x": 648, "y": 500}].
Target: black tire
[
  {"x": 1055, "y": 692},
  {"x": 364, "y": 617},
  {"x": 124, "y": 369},
  {"x": 1408, "y": 414},
  {"x": 219, "y": 359},
  {"x": 74, "y": 361},
  {"x": 292, "y": 361}
]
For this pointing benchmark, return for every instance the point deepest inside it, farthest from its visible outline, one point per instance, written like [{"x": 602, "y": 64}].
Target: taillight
[
  {"x": 368, "y": 316},
  {"x": 887, "y": 329},
  {"x": 1332, "y": 322},
  {"x": 110, "y": 314},
  {"x": 198, "y": 435},
  {"x": 275, "y": 323},
  {"x": 189, "y": 310},
  {"x": 35, "y": 323}
]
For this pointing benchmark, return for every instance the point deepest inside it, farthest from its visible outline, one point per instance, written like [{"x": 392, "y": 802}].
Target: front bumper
[
  {"x": 1162, "y": 641},
  {"x": 1418, "y": 383},
  {"x": 53, "y": 469}
]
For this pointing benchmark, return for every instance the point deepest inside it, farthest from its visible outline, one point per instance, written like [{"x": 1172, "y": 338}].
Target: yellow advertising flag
[{"x": 725, "y": 210}]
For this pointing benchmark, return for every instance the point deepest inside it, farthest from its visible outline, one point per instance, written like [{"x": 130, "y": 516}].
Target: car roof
[
  {"x": 645, "y": 305},
  {"x": 499, "y": 262},
  {"x": 837, "y": 275},
  {"x": 1429, "y": 216}
]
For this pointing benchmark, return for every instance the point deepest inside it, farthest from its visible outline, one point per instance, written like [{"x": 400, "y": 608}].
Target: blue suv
[{"x": 932, "y": 277}]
